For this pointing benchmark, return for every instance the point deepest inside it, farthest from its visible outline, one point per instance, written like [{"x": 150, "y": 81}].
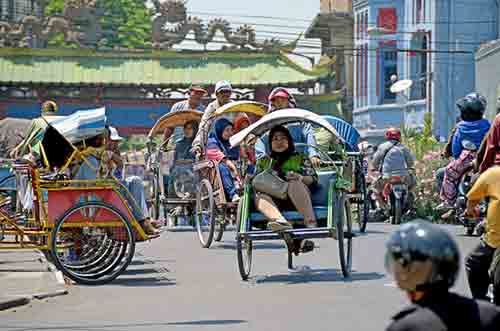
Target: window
[
  {"x": 419, "y": 9},
  {"x": 388, "y": 62}
]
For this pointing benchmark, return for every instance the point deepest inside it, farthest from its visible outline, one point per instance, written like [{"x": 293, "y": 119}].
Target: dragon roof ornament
[
  {"x": 174, "y": 12},
  {"x": 171, "y": 25}
]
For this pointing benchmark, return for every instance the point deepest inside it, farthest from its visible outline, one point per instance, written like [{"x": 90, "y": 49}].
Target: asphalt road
[{"x": 174, "y": 284}]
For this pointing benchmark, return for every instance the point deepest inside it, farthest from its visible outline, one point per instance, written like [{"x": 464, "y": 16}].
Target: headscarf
[
  {"x": 238, "y": 122},
  {"x": 281, "y": 157},
  {"x": 216, "y": 141},
  {"x": 183, "y": 146}
]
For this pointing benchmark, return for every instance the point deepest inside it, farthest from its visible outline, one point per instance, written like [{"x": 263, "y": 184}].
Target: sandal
[
  {"x": 311, "y": 223},
  {"x": 279, "y": 225}
]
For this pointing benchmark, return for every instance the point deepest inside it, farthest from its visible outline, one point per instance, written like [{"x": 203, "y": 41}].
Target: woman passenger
[
  {"x": 297, "y": 170},
  {"x": 219, "y": 149}
]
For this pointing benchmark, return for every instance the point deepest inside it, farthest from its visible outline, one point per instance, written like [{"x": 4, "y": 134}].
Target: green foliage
[
  {"x": 427, "y": 151},
  {"x": 421, "y": 143},
  {"x": 54, "y": 7},
  {"x": 126, "y": 23},
  {"x": 133, "y": 143},
  {"x": 130, "y": 22}
]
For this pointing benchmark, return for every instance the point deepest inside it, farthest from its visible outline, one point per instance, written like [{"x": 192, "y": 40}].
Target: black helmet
[
  {"x": 472, "y": 106},
  {"x": 423, "y": 241}
]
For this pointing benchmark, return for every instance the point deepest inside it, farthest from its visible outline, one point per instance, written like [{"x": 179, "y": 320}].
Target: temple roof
[{"x": 151, "y": 68}]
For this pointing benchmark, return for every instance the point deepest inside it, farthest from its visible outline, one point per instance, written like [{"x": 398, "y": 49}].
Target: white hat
[
  {"x": 113, "y": 134},
  {"x": 223, "y": 85}
]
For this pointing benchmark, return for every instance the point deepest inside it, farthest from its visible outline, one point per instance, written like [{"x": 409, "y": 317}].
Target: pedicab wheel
[
  {"x": 204, "y": 215},
  {"x": 363, "y": 209},
  {"x": 92, "y": 254},
  {"x": 243, "y": 248},
  {"x": 221, "y": 227},
  {"x": 343, "y": 224},
  {"x": 155, "y": 197}
]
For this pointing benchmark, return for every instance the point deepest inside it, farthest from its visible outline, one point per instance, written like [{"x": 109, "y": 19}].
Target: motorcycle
[
  {"x": 472, "y": 225},
  {"x": 494, "y": 272},
  {"x": 396, "y": 193}
]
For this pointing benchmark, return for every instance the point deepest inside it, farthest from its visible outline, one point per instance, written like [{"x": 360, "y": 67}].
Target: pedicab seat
[{"x": 319, "y": 197}]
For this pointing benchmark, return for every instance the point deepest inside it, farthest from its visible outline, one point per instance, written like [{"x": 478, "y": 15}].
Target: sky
[{"x": 296, "y": 14}]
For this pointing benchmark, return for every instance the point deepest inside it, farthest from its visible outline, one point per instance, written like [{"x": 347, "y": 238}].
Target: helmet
[
  {"x": 473, "y": 104},
  {"x": 223, "y": 85},
  {"x": 49, "y": 107},
  {"x": 421, "y": 241},
  {"x": 393, "y": 134}
]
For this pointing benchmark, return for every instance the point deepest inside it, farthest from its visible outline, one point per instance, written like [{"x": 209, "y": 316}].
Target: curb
[{"x": 24, "y": 300}]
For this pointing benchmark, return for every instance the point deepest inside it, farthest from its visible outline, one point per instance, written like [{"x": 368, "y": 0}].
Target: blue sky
[{"x": 298, "y": 14}]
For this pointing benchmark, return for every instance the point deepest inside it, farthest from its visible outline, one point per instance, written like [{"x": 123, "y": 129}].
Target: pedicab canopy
[
  {"x": 282, "y": 117},
  {"x": 250, "y": 107},
  {"x": 57, "y": 147},
  {"x": 175, "y": 119}
]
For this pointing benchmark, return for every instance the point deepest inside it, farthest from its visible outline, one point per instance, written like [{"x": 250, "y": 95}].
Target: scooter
[
  {"x": 399, "y": 198},
  {"x": 471, "y": 224}
]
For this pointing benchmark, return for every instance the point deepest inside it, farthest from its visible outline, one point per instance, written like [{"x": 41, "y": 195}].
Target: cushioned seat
[
  {"x": 319, "y": 200},
  {"x": 321, "y": 213}
]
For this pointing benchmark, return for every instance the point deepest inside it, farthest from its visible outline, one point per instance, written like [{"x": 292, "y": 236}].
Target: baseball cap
[
  {"x": 223, "y": 85},
  {"x": 113, "y": 134},
  {"x": 198, "y": 89}
]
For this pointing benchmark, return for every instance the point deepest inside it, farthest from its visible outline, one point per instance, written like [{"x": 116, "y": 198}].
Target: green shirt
[{"x": 297, "y": 163}]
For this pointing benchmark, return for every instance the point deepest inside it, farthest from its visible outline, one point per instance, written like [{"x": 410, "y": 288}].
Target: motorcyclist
[
  {"x": 424, "y": 261},
  {"x": 281, "y": 98},
  {"x": 463, "y": 145},
  {"x": 489, "y": 153},
  {"x": 392, "y": 159},
  {"x": 480, "y": 259}
]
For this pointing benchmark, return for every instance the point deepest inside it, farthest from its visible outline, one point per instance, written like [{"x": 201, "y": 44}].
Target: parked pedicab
[
  {"x": 86, "y": 227},
  {"x": 213, "y": 211},
  {"x": 179, "y": 190},
  {"x": 358, "y": 166},
  {"x": 330, "y": 200}
]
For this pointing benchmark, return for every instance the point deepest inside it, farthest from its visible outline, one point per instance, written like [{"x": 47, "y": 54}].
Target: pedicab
[
  {"x": 179, "y": 191},
  {"x": 85, "y": 227},
  {"x": 213, "y": 211},
  {"x": 358, "y": 166},
  {"x": 330, "y": 199}
]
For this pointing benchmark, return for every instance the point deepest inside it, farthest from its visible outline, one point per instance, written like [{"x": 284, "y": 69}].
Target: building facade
[
  {"x": 429, "y": 42},
  {"x": 334, "y": 27}
]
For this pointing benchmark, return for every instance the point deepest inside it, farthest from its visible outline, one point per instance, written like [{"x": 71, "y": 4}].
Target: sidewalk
[{"x": 25, "y": 276}]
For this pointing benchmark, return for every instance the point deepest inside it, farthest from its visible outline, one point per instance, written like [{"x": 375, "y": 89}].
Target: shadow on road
[
  {"x": 256, "y": 246},
  {"x": 123, "y": 326},
  {"x": 151, "y": 281},
  {"x": 317, "y": 275}
]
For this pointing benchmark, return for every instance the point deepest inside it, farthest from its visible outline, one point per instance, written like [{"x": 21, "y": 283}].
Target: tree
[
  {"x": 129, "y": 21},
  {"x": 126, "y": 23}
]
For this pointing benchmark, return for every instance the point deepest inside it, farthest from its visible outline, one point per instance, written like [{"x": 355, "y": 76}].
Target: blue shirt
[{"x": 472, "y": 131}]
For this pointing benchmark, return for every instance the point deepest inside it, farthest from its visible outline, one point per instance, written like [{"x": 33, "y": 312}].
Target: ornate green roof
[{"x": 153, "y": 68}]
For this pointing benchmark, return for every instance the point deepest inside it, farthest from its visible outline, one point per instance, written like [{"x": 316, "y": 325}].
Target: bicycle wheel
[
  {"x": 92, "y": 254},
  {"x": 221, "y": 227},
  {"x": 243, "y": 247},
  {"x": 343, "y": 224},
  {"x": 363, "y": 208},
  {"x": 205, "y": 214}
]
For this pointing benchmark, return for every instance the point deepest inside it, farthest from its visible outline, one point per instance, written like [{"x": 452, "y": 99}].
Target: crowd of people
[{"x": 423, "y": 258}]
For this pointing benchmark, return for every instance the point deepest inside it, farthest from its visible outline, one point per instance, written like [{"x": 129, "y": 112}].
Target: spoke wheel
[
  {"x": 155, "y": 196},
  {"x": 244, "y": 247},
  {"x": 221, "y": 227},
  {"x": 363, "y": 206},
  {"x": 205, "y": 213},
  {"x": 92, "y": 255},
  {"x": 343, "y": 224}
]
